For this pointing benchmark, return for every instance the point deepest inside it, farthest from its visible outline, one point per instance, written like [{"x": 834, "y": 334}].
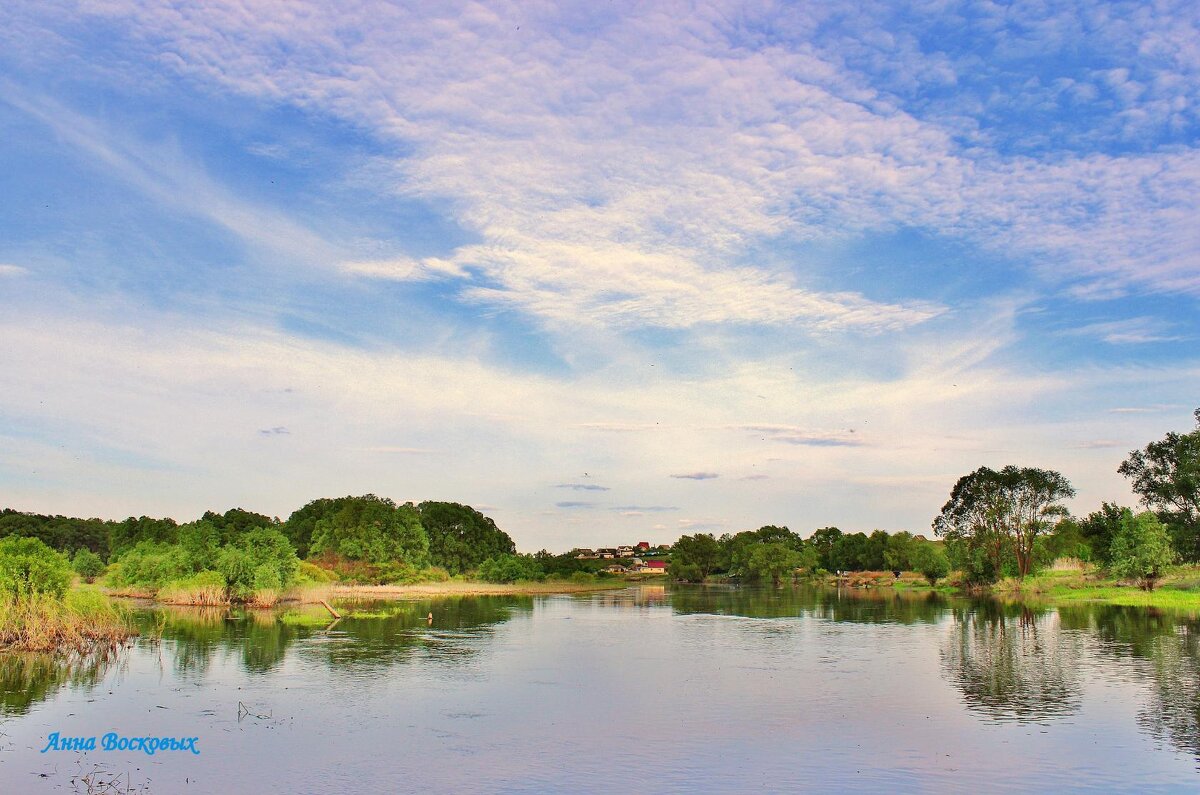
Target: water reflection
[
  {"x": 1013, "y": 662},
  {"x": 26, "y": 679},
  {"x": 843, "y": 604}
]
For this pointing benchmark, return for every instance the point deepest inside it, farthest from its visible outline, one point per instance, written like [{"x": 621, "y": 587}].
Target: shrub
[
  {"x": 931, "y": 561},
  {"x": 583, "y": 577},
  {"x": 237, "y": 566},
  {"x": 152, "y": 564},
  {"x": 29, "y": 567},
  {"x": 311, "y": 572},
  {"x": 1141, "y": 549},
  {"x": 510, "y": 568},
  {"x": 87, "y": 564}
]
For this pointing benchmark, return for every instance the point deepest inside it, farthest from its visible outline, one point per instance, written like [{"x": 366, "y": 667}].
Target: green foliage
[
  {"x": 235, "y": 523},
  {"x": 124, "y": 536},
  {"x": 87, "y": 564},
  {"x": 696, "y": 555},
  {"x": 930, "y": 561},
  {"x": 1002, "y": 513},
  {"x": 238, "y": 567},
  {"x": 1098, "y": 529},
  {"x": 1141, "y": 549},
  {"x": 897, "y": 556},
  {"x": 151, "y": 564},
  {"x": 773, "y": 561},
  {"x": 29, "y": 568},
  {"x": 460, "y": 537},
  {"x": 311, "y": 572},
  {"x": 371, "y": 529},
  {"x": 201, "y": 542},
  {"x": 509, "y": 568},
  {"x": 823, "y": 541},
  {"x": 266, "y": 577},
  {"x": 58, "y": 532},
  {"x": 583, "y": 577},
  {"x": 1166, "y": 474}
]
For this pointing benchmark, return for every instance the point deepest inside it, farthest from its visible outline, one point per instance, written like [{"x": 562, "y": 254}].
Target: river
[{"x": 649, "y": 689}]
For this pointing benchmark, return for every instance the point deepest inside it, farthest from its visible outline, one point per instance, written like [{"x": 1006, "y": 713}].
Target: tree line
[
  {"x": 365, "y": 538},
  {"x": 1008, "y": 522}
]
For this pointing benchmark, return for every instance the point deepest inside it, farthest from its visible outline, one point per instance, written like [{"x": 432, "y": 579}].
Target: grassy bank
[{"x": 80, "y": 621}]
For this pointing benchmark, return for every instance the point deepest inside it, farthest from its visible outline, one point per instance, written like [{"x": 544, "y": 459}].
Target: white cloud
[{"x": 11, "y": 270}]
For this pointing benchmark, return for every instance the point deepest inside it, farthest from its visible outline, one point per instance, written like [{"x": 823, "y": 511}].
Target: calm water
[{"x": 652, "y": 689}]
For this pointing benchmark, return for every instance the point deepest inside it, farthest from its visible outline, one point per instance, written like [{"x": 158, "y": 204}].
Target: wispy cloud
[
  {"x": 697, "y": 476},
  {"x": 645, "y": 508},
  {"x": 1134, "y": 330},
  {"x": 570, "y": 504},
  {"x": 582, "y": 486},
  {"x": 11, "y": 270},
  {"x": 278, "y": 430},
  {"x": 791, "y": 434}
]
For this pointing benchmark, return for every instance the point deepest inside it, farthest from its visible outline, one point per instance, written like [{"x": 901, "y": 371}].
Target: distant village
[{"x": 633, "y": 559}]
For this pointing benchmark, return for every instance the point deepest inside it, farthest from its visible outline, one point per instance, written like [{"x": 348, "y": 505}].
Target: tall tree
[
  {"x": 1002, "y": 513},
  {"x": 460, "y": 537},
  {"x": 1166, "y": 474},
  {"x": 372, "y": 529},
  {"x": 700, "y": 551}
]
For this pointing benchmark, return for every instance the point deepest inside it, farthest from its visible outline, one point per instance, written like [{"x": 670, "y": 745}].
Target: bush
[
  {"x": 238, "y": 567},
  {"x": 510, "y": 568},
  {"x": 311, "y": 572},
  {"x": 28, "y": 567},
  {"x": 1141, "y": 549},
  {"x": 152, "y": 564},
  {"x": 583, "y": 577},
  {"x": 87, "y": 564},
  {"x": 931, "y": 561}
]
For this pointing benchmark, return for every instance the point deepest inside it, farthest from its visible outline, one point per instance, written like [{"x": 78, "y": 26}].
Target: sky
[{"x": 608, "y": 272}]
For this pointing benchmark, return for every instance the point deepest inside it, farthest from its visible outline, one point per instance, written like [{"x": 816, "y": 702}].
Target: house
[
  {"x": 653, "y": 567},
  {"x": 606, "y": 553},
  {"x": 642, "y": 546},
  {"x": 625, "y": 552},
  {"x": 616, "y": 568},
  {"x": 585, "y": 554}
]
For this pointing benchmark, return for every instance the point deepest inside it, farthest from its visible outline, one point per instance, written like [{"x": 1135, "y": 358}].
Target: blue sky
[{"x": 606, "y": 272}]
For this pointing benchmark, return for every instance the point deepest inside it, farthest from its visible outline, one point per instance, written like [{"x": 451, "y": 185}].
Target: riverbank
[
  {"x": 427, "y": 590},
  {"x": 83, "y": 620},
  {"x": 1179, "y": 589}
]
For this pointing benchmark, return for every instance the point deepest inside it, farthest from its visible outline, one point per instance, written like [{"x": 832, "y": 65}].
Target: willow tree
[{"x": 997, "y": 514}]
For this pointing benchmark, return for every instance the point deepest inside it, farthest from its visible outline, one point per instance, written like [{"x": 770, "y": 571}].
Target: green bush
[
  {"x": 583, "y": 577},
  {"x": 1141, "y": 549},
  {"x": 87, "y": 564},
  {"x": 310, "y": 572},
  {"x": 266, "y": 577},
  {"x": 152, "y": 564},
  {"x": 510, "y": 568},
  {"x": 931, "y": 561},
  {"x": 29, "y": 567},
  {"x": 238, "y": 567}
]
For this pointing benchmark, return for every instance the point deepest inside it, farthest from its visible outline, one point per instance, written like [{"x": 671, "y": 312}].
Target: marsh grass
[{"x": 81, "y": 621}]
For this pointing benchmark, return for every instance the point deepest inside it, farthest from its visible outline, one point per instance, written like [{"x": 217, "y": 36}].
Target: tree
[
  {"x": 371, "y": 529},
  {"x": 700, "y": 551},
  {"x": 460, "y": 537},
  {"x": 930, "y": 560},
  {"x": 823, "y": 541},
  {"x": 1001, "y": 514},
  {"x": 1098, "y": 529},
  {"x": 1141, "y": 549},
  {"x": 87, "y": 564},
  {"x": 1166, "y": 474},
  {"x": 898, "y": 555},
  {"x": 772, "y": 561}
]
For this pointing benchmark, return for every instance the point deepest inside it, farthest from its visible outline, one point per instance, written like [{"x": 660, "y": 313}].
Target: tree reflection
[
  {"x": 1013, "y": 662},
  {"x": 853, "y": 605},
  {"x": 26, "y": 679}
]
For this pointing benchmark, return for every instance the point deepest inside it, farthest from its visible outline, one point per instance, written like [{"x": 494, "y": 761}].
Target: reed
[{"x": 79, "y": 621}]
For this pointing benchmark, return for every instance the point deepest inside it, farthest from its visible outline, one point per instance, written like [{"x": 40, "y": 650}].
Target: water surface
[{"x": 650, "y": 689}]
